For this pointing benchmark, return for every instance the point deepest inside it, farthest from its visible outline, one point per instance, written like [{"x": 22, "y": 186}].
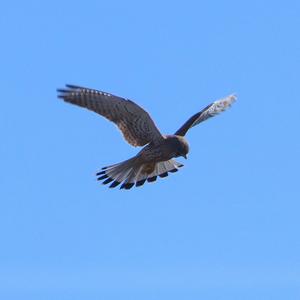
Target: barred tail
[
  {"x": 161, "y": 169},
  {"x": 131, "y": 172}
]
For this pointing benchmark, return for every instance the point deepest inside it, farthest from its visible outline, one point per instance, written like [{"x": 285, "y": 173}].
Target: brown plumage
[{"x": 137, "y": 127}]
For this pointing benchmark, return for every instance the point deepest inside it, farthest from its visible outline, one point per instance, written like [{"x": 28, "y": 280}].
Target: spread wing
[
  {"x": 209, "y": 111},
  {"x": 135, "y": 123}
]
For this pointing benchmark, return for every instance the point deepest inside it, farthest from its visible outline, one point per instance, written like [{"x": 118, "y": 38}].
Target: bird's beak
[{"x": 185, "y": 156}]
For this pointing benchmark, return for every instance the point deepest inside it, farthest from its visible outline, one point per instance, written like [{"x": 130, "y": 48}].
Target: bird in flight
[{"x": 157, "y": 156}]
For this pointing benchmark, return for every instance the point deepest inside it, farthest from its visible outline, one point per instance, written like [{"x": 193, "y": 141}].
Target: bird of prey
[{"x": 157, "y": 156}]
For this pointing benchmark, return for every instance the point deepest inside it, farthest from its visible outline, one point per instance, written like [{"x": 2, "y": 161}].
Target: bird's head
[{"x": 182, "y": 147}]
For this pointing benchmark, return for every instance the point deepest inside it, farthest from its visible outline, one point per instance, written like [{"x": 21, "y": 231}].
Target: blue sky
[{"x": 226, "y": 226}]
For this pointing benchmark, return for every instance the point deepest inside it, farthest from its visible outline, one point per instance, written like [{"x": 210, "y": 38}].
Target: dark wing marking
[
  {"x": 134, "y": 122},
  {"x": 209, "y": 111}
]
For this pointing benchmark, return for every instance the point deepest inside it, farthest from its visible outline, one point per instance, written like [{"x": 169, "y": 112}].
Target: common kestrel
[{"x": 156, "y": 158}]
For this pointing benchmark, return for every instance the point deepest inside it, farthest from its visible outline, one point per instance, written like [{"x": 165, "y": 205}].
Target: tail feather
[
  {"x": 130, "y": 173},
  {"x": 161, "y": 170},
  {"x": 130, "y": 180},
  {"x": 164, "y": 167}
]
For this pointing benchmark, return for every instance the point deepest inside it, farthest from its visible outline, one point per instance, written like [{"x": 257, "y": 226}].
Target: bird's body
[
  {"x": 157, "y": 156},
  {"x": 170, "y": 147}
]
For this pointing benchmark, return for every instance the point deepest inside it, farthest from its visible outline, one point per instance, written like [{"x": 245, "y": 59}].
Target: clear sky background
[{"x": 226, "y": 226}]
